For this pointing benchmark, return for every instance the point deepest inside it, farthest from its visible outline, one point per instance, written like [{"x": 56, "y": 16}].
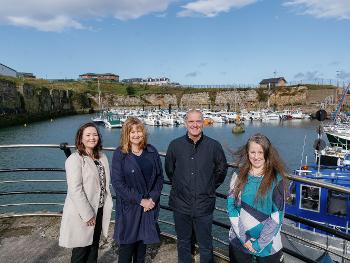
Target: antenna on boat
[
  {"x": 99, "y": 94},
  {"x": 320, "y": 144},
  {"x": 302, "y": 153},
  {"x": 340, "y": 103}
]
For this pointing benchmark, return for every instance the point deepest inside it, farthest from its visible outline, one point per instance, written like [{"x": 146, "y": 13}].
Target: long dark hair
[
  {"x": 273, "y": 165},
  {"x": 79, "y": 144}
]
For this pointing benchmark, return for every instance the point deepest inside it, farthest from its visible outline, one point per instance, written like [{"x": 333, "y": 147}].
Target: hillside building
[
  {"x": 104, "y": 76},
  {"x": 148, "y": 81},
  {"x": 25, "y": 75},
  {"x": 273, "y": 82}
]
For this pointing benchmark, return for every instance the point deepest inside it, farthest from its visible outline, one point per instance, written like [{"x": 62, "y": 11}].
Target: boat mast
[
  {"x": 99, "y": 94},
  {"x": 341, "y": 102}
]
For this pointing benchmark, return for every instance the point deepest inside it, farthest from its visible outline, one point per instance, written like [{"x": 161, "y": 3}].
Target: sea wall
[{"x": 26, "y": 103}]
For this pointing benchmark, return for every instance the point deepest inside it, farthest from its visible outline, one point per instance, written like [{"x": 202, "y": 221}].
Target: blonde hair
[{"x": 125, "y": 143}]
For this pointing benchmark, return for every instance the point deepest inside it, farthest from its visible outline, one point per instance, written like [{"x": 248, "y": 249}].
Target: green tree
[
  {"x": 130, "y": 90},
  {"x": 262, "y": 95}
]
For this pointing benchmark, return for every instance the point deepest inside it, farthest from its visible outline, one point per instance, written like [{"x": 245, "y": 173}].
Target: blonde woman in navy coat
[{"x": 137, "y": 178}]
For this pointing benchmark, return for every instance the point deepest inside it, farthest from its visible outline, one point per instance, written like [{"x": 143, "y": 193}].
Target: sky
[{"x": 193, "y": 42}]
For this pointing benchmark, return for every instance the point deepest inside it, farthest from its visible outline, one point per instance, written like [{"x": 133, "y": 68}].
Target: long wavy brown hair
[
  {"x": 79, "y": 144},
  {"x": 273, "y": 165},
  {"x": 125, "y": 143}
]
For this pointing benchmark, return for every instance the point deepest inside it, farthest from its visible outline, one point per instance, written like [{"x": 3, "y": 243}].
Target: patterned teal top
[{"x": 258, "y": 221}]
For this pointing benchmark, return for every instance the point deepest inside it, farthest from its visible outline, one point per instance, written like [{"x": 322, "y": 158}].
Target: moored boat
[
  {"x": 112, "y": 121},
  {"x": 325, "y": 201}
]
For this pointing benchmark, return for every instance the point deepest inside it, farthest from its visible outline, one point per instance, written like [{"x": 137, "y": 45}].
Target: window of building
[
  {"x": 337, "y": 203},
  {"x": 310, "y": 197}
]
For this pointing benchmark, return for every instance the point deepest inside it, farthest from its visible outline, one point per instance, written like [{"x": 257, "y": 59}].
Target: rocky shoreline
[
  {"x": 21, "y": 104},
  {"x": 25, "y": 103}
]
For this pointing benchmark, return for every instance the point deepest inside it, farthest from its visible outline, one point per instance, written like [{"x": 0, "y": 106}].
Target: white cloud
[
  {"x": 57, "y": 24},
  {"x": 57, "y": 15},
  {"x": 211, "y": 8},
  {"x": 309, "y": 75},
  {"x": 192, "y": 74},
  {"x": 343, "y": 75},
  {"x": 339, "y": 9}
]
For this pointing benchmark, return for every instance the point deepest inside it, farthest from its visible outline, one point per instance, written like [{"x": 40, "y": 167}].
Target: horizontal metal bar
[
  {"x": 57, "y": 146},
  {"x": 166, "y": 207},
  {"x": 166, "y": 222},
  {"x": 8, "y": 146},
  {"x": 220, "y": 241},
  {"x": 54, "y": 146},
  {"x": 32, "y": 192},
  {"x": 297, "y": 255},
  {"x": 11, "y": 215},
  {"x": 221, "y": 195},
  {"x": 14, "y": 170},
  {"x": 314, "y": 244},
  {"x": 319, "y": 226},
  {"x": 32, "y": 181},
  {"x": 24, "y": 204},
  {"x": 329, "y": 186},
  {"x": 220, "y": 209},
  {"x": 223, "y": 225}
]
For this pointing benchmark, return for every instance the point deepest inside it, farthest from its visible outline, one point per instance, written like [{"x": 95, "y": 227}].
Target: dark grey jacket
[{"x": 195, "y": 170}]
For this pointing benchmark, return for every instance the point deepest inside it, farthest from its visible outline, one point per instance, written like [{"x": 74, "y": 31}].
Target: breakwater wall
[{"x": 26, "y": 103}]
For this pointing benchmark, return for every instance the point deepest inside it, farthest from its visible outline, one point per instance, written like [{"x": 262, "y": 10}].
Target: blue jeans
[{"x": 185, "y": 225}]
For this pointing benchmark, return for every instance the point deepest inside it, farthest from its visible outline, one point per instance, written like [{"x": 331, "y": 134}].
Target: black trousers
[
  {"x": 89, "y": 253},
  {"x": 135, "y": 253},
  {"x": 185, "y": 225},
  {"x": 238, "y": 256}
]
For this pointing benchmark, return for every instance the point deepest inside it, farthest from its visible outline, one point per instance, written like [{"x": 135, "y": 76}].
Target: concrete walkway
[{"x": 34, "y": 239}]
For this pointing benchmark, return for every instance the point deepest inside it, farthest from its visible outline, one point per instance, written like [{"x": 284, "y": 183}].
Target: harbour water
[{"x": 287, "y": 136}]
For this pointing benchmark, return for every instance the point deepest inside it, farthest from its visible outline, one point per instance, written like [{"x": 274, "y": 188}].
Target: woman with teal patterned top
[{"x": 255, "y": 203}]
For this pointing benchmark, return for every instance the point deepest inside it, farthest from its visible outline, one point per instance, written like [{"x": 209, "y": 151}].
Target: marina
[
  {"x": 281, "y": 133},
  {"x": 170, "y": 117}
]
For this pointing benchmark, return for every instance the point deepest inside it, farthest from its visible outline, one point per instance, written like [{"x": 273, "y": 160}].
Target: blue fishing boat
[
  {"x": 325, "y": 201},
  {"x": 318, "y": 204}
]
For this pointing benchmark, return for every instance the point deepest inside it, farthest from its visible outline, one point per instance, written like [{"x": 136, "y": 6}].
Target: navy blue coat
[{"x": 132, "y": 224}]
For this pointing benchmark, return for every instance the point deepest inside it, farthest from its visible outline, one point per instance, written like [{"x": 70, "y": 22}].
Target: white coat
[{"x": 82, "y": 201}]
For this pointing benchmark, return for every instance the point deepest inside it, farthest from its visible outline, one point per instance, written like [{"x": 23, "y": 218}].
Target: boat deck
[{"x": 32, "y": 239}]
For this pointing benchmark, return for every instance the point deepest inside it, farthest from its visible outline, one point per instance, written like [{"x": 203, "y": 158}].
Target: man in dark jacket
[{"x": 196, "y": 166}]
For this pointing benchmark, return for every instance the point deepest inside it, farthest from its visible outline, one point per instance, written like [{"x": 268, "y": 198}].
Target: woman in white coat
[{"x": 88, "y": 205}]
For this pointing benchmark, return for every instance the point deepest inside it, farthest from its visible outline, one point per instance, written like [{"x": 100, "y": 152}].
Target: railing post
[{"x": 66, "y": 150}]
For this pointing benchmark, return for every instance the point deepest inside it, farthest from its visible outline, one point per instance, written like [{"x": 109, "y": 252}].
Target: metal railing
[{"x": 66, "y": 148}]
